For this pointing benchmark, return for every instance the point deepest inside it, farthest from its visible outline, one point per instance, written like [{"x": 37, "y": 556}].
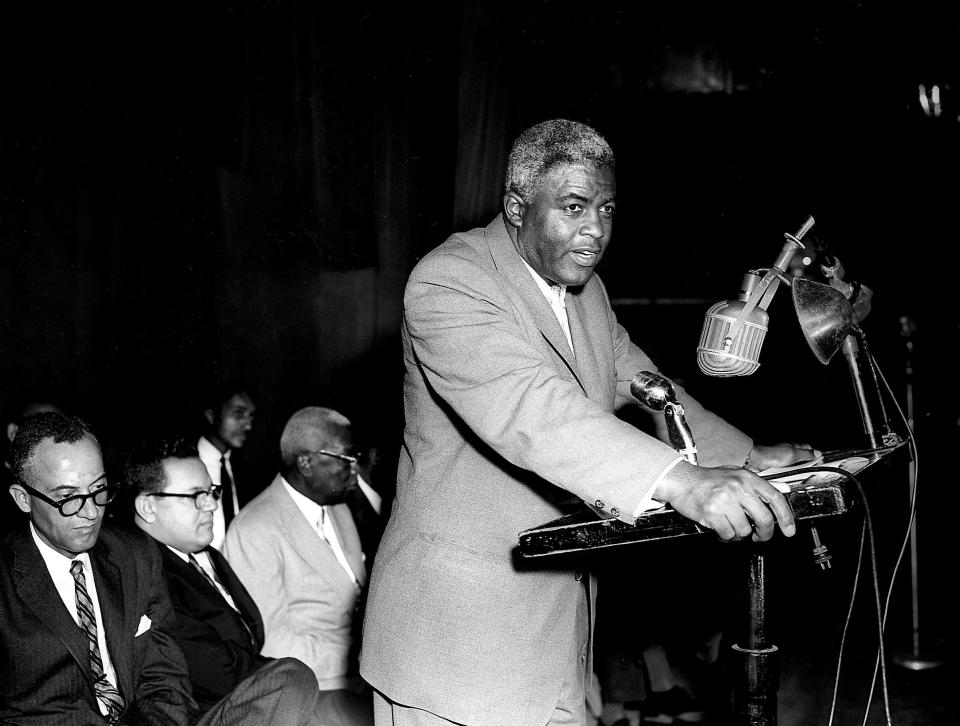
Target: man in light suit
[
  {"x": 514, "y": 366},
  {"x": 85, "y": 636},
  {"x": 296, "y": 548},
  {"x": 217, "y": 625}
]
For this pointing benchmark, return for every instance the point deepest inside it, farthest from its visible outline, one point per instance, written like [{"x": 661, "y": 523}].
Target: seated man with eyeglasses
[
  {"x": 218, "y": 626},
  {"x": 85, "y": 635},
  {"x": 296, "y": 548}
]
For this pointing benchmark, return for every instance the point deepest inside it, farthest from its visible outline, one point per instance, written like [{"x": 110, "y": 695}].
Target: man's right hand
[{"x": 733, "y": 502}]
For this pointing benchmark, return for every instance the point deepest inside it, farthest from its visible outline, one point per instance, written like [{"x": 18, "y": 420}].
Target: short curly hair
[
  {"x": 542, "y": 146},
  {"x": 35, "y": 429},
  {"x": 143, "y": 472}
]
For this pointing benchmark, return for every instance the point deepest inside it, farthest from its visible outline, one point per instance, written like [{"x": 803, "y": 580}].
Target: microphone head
[
  {"x": 652, "y": 390},
  {"x": 717, "y": 355}
]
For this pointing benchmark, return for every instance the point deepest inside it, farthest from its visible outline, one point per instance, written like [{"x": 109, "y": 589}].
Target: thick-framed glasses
[
  {"x": 350, "y": 459},
  {"x": 69, "y": 506},
  {"x": 200, "y": 499}
]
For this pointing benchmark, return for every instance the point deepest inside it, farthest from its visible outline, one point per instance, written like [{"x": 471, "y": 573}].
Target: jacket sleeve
[
  {"x": 467, "y": 340},
  {"x": 163, "y": 695}
]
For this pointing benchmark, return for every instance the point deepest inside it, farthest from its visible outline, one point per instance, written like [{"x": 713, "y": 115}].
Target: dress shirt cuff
[{"x": 648, "y": 503}]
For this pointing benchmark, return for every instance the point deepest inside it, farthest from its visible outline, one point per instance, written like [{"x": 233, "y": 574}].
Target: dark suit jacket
[
  {"x": 45, "y": 673},
  {"x": 214, "y": 637}
]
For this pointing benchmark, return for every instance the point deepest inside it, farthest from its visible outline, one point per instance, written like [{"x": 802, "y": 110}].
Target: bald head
[{"x": 309, "y": 429}]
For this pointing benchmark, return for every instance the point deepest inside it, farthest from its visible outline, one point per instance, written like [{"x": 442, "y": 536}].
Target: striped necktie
[{"x": 107, "y": 693}]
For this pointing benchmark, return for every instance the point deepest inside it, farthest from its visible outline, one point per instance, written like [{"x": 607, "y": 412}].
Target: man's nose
[
  {"x": 89, "y": 510},
  {"x": 593, "y": 225}
]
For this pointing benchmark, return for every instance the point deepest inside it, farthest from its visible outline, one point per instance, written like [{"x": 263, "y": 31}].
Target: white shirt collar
[
  {"x": 551, "y": 292},
  {"x": 311, "y": 510},
  {"x": 57, "y": 561},
  {"x": 210, "y": 454}
]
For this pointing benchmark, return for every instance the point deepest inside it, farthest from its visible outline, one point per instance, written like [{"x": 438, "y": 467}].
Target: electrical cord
[
  {"x": 867, "y": 528},
  {"x": 881, "y": 617}
]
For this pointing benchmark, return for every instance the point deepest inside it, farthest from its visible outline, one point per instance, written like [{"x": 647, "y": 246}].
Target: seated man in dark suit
[
  {"x": 218, "y": 627},
  {"x": 85, "y": 619},
  {"x": 14, "y": 413}
]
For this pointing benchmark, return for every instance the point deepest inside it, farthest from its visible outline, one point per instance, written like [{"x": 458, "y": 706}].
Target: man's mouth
[{"x": 585, "y": 257}]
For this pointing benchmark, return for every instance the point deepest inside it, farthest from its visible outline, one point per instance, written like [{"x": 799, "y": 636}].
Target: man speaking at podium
[{"x": 514, "y": 366}]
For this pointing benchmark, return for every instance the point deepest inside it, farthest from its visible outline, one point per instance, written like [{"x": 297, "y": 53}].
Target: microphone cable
[
  {"x": 910, "y": 520},
  {"x": 866, "y": 528}
]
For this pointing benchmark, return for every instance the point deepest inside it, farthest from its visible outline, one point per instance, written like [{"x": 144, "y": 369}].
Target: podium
[{"x": 811, "y": 494}]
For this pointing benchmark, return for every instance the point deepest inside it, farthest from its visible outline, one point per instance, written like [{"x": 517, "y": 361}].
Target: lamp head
[{"x": 825, "y": 315}]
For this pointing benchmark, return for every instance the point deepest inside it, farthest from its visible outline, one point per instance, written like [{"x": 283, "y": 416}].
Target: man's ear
[
  {"x": 304, "y": 465},
  {"x": 12, "y": 429},
  {"x": 144, "y": 508},
  {"x": 208, "y": 415},
  {"x": 21, "y": 497},
  {"x": 513, "y": 208}
]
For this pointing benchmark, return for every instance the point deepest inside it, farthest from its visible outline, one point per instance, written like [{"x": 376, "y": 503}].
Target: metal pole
[
  {"x": 755, "y": 696},
  {"x": 913, "y": 661}
]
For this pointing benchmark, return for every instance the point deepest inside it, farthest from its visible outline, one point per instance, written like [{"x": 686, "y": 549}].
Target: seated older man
[{"x": 296, "y": 548}]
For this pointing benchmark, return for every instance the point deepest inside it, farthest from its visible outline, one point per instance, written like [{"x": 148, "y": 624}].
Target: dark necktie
[
  {"x": 107, "y": 693},
  {"x": 226, "y": 493},
  {"x": 214, "y": 584},
  {"x": 206, "y": 575}
]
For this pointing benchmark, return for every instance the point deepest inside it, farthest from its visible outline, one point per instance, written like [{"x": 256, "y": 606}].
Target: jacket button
[{"x": 598, "y": 504}]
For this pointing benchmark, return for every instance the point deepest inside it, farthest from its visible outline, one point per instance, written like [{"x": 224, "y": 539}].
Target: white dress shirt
[
  {"x": 210, "y": 456},
  {"x": 316, "y": 515},
  {"x": 376, "y": 501},
  {"x": 203, "y": 559},
  {"x": 58, "y": 566},
  {"x": 556, "y": 295}
]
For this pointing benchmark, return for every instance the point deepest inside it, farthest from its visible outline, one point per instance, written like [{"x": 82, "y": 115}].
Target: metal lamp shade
[{"x": 826, "y": 316}]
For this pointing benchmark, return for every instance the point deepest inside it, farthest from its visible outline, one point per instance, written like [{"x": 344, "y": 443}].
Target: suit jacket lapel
[
  {"x": 245, "y": 604},
  {"x": 346, "y": 530},
  {"x": 303, "y": 537},
  {"x": 114, "y": 616},
  {"x": 509, "y": 263},
  {"x": 589, "y": 364},
  {"x": 36, "y": 589}
]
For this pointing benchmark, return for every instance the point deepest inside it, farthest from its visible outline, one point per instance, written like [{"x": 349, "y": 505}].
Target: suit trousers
[
  {"x": 282, "y": 692},
  {"x": 571, "y": 697}
]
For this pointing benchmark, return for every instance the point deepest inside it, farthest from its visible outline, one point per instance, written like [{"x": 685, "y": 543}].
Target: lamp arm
[{"x": 761, "y": 295}]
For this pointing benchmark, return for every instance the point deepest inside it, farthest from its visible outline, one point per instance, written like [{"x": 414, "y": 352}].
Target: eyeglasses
[
  {"x": 69, "y": 506},
  {"x": 351, "y": 459},
  {"x": 200, "y": 499}
]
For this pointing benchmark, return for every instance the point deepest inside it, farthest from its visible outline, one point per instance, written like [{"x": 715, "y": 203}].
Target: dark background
[{"x": 192, "y": 191}]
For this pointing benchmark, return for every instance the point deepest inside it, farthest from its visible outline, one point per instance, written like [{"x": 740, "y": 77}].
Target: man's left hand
[{"x": 778, "y": 455}]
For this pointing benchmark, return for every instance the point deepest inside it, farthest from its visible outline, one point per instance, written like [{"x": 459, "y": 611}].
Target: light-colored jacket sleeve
[{"x": 477, "y": 356}]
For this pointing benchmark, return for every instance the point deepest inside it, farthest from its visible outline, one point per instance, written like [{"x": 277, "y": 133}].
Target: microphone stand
[
  {"x": 913, "y": 661},
  {"x": 859, "y": 297},
  {"x": 755, "y": 696}
]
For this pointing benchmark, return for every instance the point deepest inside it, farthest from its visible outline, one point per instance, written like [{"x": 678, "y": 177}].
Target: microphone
[
  {"x": 733, "y": 330},
  {"x": 721, "y": 355},
  {"x": 657, "y": 393}
]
